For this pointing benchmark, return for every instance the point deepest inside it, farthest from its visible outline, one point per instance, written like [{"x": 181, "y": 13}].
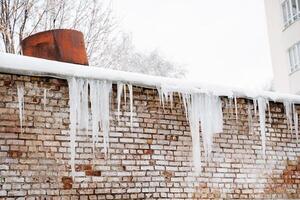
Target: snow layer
[{"x": 23, "y": 65}]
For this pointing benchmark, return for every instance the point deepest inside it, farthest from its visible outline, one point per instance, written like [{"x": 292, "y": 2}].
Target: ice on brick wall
[
  {"x": 20, "y": 93},
  {"x": 250, "y": 118},
  {"x": 203, "y": 111},
  {"x": 207, "y": 110},
  {"x": 119, "y": 95},
  {"x": 295, "y": 117},
  {"x": 292, "y": 118},
  {"x": 120, "y": 88},
  {"x": 201, "y": 108},
  {"x": 262, "y": 103},
  {"x": 131, "y": 104},
  {"x": 100, "y": 92}
]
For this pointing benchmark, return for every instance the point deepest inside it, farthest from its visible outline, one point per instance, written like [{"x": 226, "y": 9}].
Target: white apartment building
[{"x": 283, "y": 19}]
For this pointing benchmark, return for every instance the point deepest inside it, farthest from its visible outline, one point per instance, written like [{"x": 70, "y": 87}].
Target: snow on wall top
[{"x": 24, "y": 65}]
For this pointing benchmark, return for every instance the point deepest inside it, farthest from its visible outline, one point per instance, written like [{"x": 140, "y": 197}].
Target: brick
[{"x": 151, "y": 161}]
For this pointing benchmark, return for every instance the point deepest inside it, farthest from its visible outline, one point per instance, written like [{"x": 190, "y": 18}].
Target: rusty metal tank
[{"x": 63, "y": 45}]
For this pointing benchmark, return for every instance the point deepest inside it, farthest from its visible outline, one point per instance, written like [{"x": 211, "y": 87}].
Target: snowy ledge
[{"x": 24, "y": 65}]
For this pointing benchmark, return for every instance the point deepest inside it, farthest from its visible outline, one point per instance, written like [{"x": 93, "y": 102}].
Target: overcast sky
[{"x": 220, "y": 41}]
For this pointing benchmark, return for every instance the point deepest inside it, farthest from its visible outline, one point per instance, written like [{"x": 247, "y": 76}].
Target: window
[
  {"x": 294, "y": 57},
  {"x": 290, "y": 11}
]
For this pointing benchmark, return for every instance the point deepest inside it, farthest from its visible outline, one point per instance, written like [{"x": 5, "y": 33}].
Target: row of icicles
[{"x": 200, "y": 108}]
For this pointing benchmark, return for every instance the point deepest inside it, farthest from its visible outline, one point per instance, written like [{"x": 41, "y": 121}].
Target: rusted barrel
[{"x": 63, "y": 45}]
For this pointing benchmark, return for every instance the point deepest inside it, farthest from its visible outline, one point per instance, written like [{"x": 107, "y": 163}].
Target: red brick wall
[{"x": 153, "y": 161}]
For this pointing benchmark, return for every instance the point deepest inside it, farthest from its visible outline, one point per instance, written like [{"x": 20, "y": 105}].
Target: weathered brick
[{"x": 151, "y": 161}]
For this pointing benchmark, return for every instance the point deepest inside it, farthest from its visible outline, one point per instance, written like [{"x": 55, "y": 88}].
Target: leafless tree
[
  {"x": 125, "y": 57},
  {"x": 105, "y": 45},
  {"x": 21, "y": 18}
]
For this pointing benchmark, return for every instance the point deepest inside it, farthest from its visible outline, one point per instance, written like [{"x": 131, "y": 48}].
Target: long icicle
[
  {"x": 20, "y": 92},
  {"x": 194, "y": 117},
  {"x": 73, "y": 95},
  {"x": 269, "y": 112},
  {"x": 131, "y": 105},
  {"x": 295, "y": 118},
  {"x": 119, "y": 95},
  {"x": 94, "y": 99},
  {"x": 105, "y": 94},
  {"x": 250, "y": 119},
  {"x": 236, "y": 109},
  {"x": 262, "y": 121},
  {"x": 289, "y": 116},
  {"x": 85, "y": 107}
]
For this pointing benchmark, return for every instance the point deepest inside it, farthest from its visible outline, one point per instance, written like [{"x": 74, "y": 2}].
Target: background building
[{"x": 283, "y": 18}]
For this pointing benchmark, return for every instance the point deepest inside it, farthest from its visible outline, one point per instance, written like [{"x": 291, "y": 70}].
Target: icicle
[
  {"x": 161, "y": 97},
  {"x": 289, "y": 116},
  {"x": 125, "y": 93},
  {"x": 100, "y": 106},
  {"x": 295, "y": 117},
  {"x": 185, "y": 100},
  {"x": 105, "y": 92},
  {"x": 20, "y": 91},
  {"x": 119, "y": 94},
  {"x": 230, "y": 101},
  {"x": 194, "y": 118},
  {"x": 250, "y": 119},
  {"x": 236, "y": 109},
  {"x": 73, "y": 96},
  {"x": 255, "y": 107},
  {"x": 262, "y": 121},
  {"x": 269, "y": 112},
  {"x": 211, "y": 118},
  {"x": 170, "y": 94},
  {"x": 45, "y": 98},
  {"x": 206, "y": 109},
  {"x": 85, "y": 107},
  {"x": 95, "y": 109},
  {"x": 131, "y": 105}
]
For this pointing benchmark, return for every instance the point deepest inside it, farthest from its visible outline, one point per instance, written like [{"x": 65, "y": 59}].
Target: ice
[
  {"x": 255, "y": 107},
  {"x": 131, "y": 105},
  {"x": 269, "y": 112},
  {"x": 20, "y": 92},
  {"x": 105, "y": 94},
  {"x": 100, "y": 107},
  {"x": 262, "y": 102},
  {"x": 211, "y": 117},
  {"x": 289, "y": 115},
  {"x": 125, "y": 95},
  {"x": 45, "y": 98},
  {"x": 83, "y": 104},
  {"x": 230, "y": 101},
  {"x": 250, "y": 119},
  {"x": 295, "y": 117},
  {"x": 79, "y": 111},
  {"x": 119, "y": 95},
  {"x": 207, "y": 110},
  {"x": 184, "y": 102},
  {"x": 236, "y": 109},
  {"x": 166, "y": 95},
  {"x": 194, "y": 118},
  {"x": 95, "y": 111},
  {"x": 25, "y": 65},
  {"x": 73, "y": 95}
]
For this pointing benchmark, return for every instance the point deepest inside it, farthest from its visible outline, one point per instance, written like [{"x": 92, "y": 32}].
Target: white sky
[{"x": 220, "y": 41}]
